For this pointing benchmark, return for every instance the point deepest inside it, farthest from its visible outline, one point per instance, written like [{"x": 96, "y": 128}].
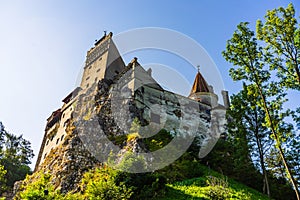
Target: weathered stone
[{"x": 107, "y": 109}]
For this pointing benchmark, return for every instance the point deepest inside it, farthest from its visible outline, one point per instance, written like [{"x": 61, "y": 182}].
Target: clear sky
[{"x": 43, "y": 45}]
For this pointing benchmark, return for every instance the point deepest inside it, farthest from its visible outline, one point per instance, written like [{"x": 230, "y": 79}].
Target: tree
[
  {"x": 251, "y": 64},
  {"x": 281, "y": 33},
  {"x": 15, "y": 156},
  {"x": 247, "y": 132},
  {"x": 2, "y": 179}
]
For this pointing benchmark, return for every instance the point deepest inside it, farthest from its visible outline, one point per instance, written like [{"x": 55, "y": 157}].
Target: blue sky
[{"x": 43, "y": 45}]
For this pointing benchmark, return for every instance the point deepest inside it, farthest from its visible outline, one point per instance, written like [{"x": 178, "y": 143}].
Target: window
[
  {"x": 45, "y": 155},
  {"x": 57, "y": 140},
  {"x": 143, "y": 89},
  {"x": 87, "y": 78},
  {"x": 63, "y": 115},
  {"x": 52, "y": 137},
  {"x": 96, "y": 79},
  {"x": 98, "y": 70},
  {"x": 90, "y": 66},
  {"x": 62, "y": 137},
  {"x": 100, "y": 58},
  {"x": 87, "y": 85},
  {"x": 47, "y": 142}
]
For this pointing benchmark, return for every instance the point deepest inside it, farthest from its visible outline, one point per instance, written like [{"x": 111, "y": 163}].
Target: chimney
[
  {"x": 149, "y": 72},
  {"x": 211, "y": 89},
  {"x": 225, "y": 99}
]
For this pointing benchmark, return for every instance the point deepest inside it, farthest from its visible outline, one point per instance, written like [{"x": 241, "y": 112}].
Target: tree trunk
[
  {"x": 281, "y": 153},
  {"x": 298, "y": 73},
  {"x": 262, "y": 162}
]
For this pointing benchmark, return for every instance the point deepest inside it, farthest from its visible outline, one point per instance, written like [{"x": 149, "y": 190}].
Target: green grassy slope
[{"x": 211, "y": 185}]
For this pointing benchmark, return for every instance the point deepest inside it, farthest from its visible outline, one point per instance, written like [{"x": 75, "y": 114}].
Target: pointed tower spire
[
  {"x": 202, "y": 92},
  {"x": 200, "y": 84}
]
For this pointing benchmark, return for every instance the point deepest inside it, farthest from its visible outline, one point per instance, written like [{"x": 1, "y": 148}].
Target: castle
[{"x": 111, "y": 95}]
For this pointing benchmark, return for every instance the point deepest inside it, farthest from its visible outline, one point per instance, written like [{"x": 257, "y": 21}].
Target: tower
[
  {"x": 102, "y": 61},
  {"x": 202, "y": 92}
]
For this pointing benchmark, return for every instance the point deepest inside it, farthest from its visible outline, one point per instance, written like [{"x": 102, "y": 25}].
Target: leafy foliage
[
  {"x": 41, "y": 188},
  {"x": 254, "y": 61},
  {"x": 102, "y": 183},
  {"x": 158, "y": 141},
  {"x": 248, "y": 135},
  {"x": 15, "y": 156},
  {"x": 2, "y": 178},
  {"x": 106, "y": 183},
  {"x": 219, "y": 188},
  {"x": 130, "y": 162},
  {"x": 281, "y": 33}
]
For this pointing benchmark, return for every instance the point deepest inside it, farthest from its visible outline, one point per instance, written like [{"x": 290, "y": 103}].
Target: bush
[
  {"x": 102, "y": 183},
  {"x": 40, "y": 188},
  {"x": 185, "y": 167},
  {"x": 219, "y": 188},
  {"x": 144, "y": 185}
]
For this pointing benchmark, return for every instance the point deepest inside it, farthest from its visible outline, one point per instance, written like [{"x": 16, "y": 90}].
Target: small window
[
  {"x": 62, "y": 137},
  {"x": 98, "y": 70},
  {"x": 100, "y": 58},
  {"x": 45, "y": 155},
  {"x": 142, "y": 89},
  {"x": 87, "y": 78},
  {"x": 63, "y": 115},
  {"x": 57, "y": 141},
  {"x": 87, "y": 85},
  {"x": 52, "y": 137},
  {"x": 90, "y": 66},
  {"x": 96, "y": 79},
  {"x": 47, "y": 142}
]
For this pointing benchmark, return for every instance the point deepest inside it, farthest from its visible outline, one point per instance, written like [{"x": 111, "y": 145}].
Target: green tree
[
  {"x": 251, "y": 65},
  {"x": 2, "y": 179},
  {"x": 281, "y": 33},
  {"x": 248, "y": 134},
  {"x": 15, "y": 156}
]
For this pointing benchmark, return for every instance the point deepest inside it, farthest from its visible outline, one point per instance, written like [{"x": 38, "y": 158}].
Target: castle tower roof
[{"x": 200, "y": 84}]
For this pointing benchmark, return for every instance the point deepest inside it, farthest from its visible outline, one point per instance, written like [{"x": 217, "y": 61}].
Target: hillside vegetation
[{"x": 106, "y": 183}]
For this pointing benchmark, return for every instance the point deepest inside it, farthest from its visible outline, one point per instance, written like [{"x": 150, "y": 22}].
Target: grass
[{"x": 211, "y": 185}]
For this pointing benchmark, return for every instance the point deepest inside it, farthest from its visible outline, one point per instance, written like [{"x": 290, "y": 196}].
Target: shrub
[
  {"x": 131, "y": 162},
  {"x": 102, "y": 183},
  {"x": 40, "y": 188},
  {"x": 144, "y": 185},
  {"x": 219, "y": 188}
]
